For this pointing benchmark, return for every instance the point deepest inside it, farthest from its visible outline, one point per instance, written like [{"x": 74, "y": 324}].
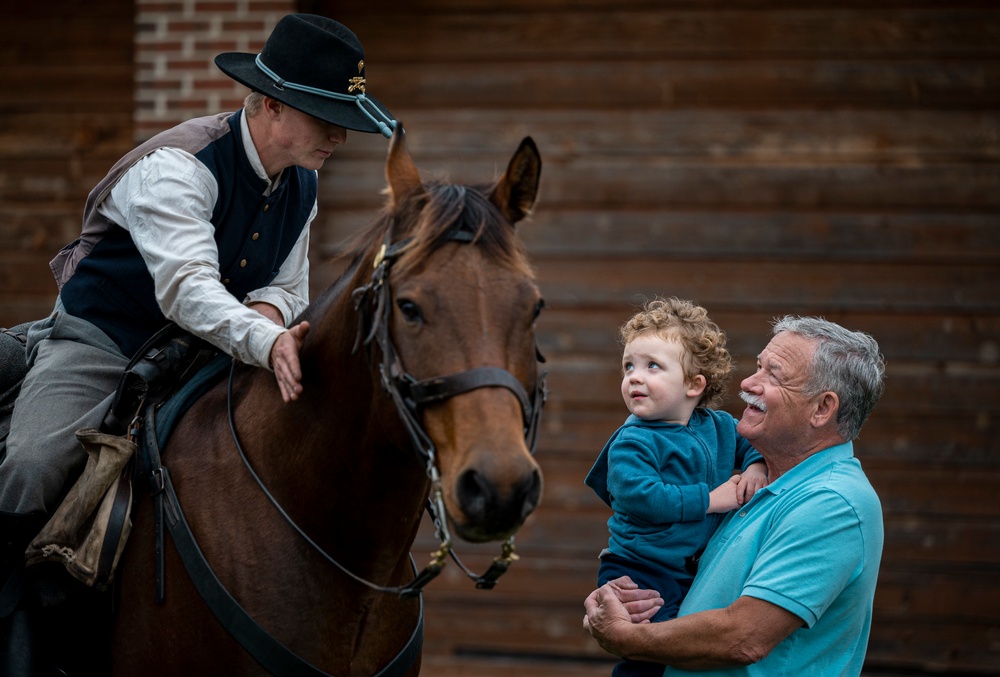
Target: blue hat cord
[{"x": 386, "y": 125}]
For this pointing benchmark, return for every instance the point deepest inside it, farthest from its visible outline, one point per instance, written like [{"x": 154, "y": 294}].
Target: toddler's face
[{"x": 654, "y": 385}]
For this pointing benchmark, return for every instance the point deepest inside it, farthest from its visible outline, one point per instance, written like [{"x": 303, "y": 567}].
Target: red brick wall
[
  {"x": 175, "y": 46},
  {"x": 84, "y": 83}
]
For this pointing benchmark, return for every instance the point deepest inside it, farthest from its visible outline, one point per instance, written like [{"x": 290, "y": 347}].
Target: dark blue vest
[{"x": 111, "y": 286}]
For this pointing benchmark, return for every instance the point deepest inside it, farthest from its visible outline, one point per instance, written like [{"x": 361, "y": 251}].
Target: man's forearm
[
  {"x": 741, "y": 634},
  {"x": 269, "y": 311}
]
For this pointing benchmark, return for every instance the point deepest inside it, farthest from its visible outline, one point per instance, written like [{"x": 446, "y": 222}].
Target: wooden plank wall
[
  {"x": 65, "y": 117},
  {"x": 763, "y": 158}
]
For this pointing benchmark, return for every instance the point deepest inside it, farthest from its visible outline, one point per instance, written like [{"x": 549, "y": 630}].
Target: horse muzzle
[{"x": 490, "y": 511}]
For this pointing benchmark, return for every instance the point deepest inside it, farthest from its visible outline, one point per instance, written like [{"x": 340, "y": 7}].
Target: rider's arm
[{"x": 165, "y": 201}]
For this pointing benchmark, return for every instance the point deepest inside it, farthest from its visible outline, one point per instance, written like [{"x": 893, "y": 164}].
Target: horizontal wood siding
[
  {"x": 762, "y": 158},
  {"x": 65, "y": 117}
]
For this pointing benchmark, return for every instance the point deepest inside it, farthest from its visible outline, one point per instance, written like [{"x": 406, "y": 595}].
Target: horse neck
[{"x": 339, "y": 456}]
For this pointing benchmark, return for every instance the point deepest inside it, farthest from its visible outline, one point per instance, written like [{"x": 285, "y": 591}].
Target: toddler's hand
[{"x": 752, "y": 479}]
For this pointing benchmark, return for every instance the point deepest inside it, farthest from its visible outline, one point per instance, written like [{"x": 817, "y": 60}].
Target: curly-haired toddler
[{"x": 668, "y": 471}]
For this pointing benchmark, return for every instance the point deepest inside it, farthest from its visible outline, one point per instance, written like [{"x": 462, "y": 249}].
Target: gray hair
[
  {"x": 253, "y": 103},
  {"x": 845, "y": 362}
]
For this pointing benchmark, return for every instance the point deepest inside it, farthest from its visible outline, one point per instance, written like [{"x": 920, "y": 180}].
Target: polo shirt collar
[{"x": 807, "y": 467}]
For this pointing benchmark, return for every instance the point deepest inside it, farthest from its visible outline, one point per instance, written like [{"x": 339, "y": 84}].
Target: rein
[
  {"x": 408, "y": 396},
  {"x": 274, "y": 656}
]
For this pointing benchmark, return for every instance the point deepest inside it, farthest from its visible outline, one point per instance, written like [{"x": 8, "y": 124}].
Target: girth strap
[{"x": 273, "y": 656}]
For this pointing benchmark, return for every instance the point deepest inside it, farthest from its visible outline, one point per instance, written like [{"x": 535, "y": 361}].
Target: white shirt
[{"x": 165, "y": 202}]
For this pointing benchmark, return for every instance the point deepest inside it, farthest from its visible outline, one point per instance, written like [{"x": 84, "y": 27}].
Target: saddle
[{"x": 88, "y": 531}]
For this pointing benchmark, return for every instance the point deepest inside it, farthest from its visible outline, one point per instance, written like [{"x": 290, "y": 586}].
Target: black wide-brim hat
[{"x": 315, "y": 65}]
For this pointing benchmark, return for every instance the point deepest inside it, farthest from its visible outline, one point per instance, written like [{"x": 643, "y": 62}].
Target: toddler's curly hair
[{"x": 704, "y": 343}]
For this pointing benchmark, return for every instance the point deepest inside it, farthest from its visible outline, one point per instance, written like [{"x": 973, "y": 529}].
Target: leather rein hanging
[
  {"x": 409, "y": 395},
  {"x": 274, "y": 656},
  {"x": 373, "y": 302}
]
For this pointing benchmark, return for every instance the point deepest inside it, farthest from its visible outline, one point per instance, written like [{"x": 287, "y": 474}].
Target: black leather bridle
[{"x": 374, "y": 303}]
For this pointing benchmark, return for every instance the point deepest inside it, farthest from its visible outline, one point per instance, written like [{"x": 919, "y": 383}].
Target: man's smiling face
[{"x": 778, "y": 412}]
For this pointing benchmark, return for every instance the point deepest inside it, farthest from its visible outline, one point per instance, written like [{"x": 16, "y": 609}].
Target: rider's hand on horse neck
[
  {"x": 285, "y": 361},
  {"x": 285, "y": 352}
]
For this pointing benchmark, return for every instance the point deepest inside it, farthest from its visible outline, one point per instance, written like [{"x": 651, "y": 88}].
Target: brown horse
[{"x": 451, "y": 294}]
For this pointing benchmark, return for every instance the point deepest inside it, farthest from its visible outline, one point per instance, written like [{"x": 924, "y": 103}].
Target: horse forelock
[
  {"x": 427, "y": 219},
  {"x": 447, "y": 207}
]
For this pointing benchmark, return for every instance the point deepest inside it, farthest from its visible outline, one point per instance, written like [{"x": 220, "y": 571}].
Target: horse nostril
[
  {"x": 481, "y": 503},
  {"x": 532, "y": 495},
  {"x": 473, "y": 494}
]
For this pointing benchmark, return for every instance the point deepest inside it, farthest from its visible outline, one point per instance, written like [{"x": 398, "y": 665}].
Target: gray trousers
[{"x": 74, "y": 371}]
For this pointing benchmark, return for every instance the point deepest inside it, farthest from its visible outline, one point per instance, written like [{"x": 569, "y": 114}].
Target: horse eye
[
  {"x": 410, "y": 310},
  {"x": 538, "y": 309}
]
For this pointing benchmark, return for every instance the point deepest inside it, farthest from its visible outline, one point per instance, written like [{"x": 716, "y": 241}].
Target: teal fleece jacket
[{"x": 656, "y": 477}]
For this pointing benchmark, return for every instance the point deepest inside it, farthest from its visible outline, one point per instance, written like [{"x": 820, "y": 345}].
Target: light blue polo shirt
[{"x": 811, "y": 543}]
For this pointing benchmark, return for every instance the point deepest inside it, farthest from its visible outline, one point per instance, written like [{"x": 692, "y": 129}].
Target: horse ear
[
  {"x": 514, "y": 194},
  {"x": 400, "y": 171}
]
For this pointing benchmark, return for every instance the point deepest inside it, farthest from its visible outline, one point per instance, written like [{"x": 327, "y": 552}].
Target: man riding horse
[{"x": 206, "y": 226}]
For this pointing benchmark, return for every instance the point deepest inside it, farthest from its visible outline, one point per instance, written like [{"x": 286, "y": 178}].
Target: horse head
[{"x": 453, "y": 305}]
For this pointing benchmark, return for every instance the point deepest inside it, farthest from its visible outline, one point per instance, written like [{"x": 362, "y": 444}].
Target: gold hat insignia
[{"x": 357, "y": 82}]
